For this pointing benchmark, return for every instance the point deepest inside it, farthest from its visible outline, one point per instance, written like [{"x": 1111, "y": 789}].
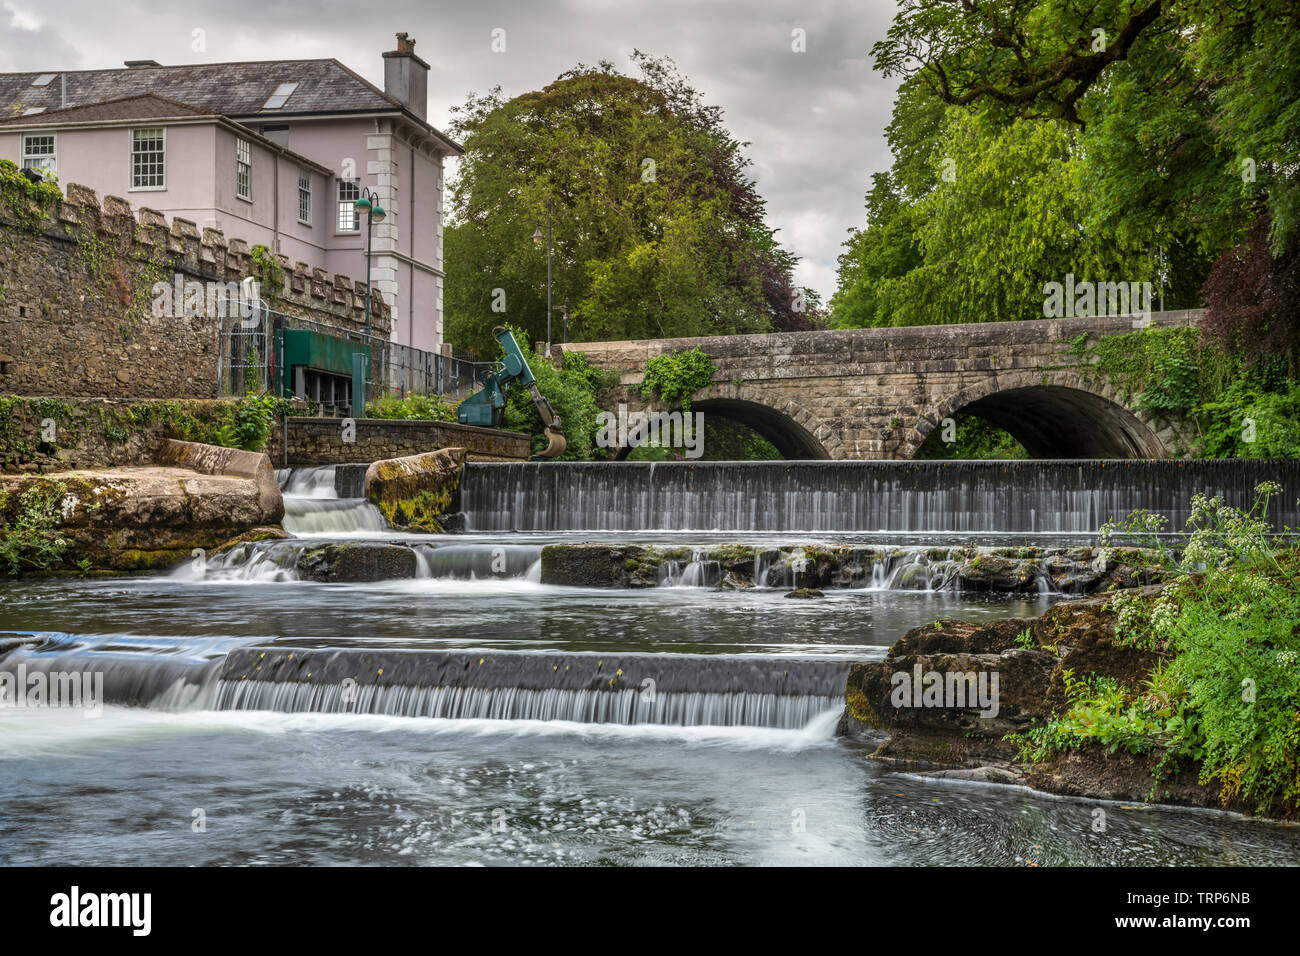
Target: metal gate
[{"x": 244, "y": 355}]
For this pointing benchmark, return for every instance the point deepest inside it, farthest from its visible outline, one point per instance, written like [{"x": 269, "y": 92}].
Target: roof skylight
[
  {"x": 44, "y": 79},
  {"x": 280, "y": 96}
]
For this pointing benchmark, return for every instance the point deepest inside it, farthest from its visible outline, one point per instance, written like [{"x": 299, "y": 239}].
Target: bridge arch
[
  {"x": 1056, "y": 414},
  {"x": 795, "y": 431}
]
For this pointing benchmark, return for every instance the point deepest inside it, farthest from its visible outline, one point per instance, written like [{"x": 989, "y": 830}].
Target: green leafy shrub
[
  {"x": 675, "y": 376},
  {"x": 1240, "y": 409},
  {"x": 28, "y": 201},
  {"x": 433, "y": 408},
  {"x": 1227, "y": 694},
  {"x": 28, "y": 537}
]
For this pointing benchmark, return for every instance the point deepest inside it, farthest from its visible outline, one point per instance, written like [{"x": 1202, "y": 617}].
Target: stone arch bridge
[{"x": 877, "y": 393}]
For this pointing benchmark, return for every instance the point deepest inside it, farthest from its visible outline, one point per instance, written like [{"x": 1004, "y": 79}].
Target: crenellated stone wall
[{"x": 76, "y": 302}]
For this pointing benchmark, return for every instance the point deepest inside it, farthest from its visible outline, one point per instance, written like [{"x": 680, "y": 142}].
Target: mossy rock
[{"x": 416, "y": 493}]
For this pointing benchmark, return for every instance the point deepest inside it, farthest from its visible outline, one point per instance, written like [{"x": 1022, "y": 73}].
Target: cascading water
[
  {"x": 1030, "y": 497},
  {"x": 312, "y": 505},
  {"x": 432, "y": 672},
  {"x": 666, "y": 689},
  {"x": 661, "y": 689}
]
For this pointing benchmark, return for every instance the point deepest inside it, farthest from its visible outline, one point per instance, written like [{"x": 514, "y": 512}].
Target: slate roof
[
  {"x": 237, "y": 90},
  {"x": 148, "y": 106}
]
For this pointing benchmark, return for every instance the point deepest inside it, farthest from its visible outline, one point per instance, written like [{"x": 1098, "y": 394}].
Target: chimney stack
[{"x": 406, "y": 77}]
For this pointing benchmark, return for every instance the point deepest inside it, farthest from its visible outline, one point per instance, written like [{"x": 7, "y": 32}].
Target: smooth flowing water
[
  {"x": 472, "y": 715},
  {"x": 987, "y": 497}
]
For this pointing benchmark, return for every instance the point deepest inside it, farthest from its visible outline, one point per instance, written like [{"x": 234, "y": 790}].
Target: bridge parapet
[{"x": 877, "y": 393}]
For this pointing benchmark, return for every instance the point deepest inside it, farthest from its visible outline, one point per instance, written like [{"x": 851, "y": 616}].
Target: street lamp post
[
  {"x": 369, "y": 204},
  {"x": 537, "y": 238}
]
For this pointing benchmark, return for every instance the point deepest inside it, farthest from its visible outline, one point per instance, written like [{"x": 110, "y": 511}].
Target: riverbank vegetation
[
  {"x": 1224, "y": 697},
  {"x": 1162, "y": 150},
  {"x": 29, "y": 538},
  {"x": 36, "y": 430},
  {"x": 434, "y": 408}
]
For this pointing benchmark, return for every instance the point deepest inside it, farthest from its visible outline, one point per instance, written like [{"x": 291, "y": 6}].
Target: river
[{"x": 494, "y": 756}]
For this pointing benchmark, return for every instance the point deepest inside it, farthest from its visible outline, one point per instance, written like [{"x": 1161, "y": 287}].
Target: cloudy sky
[{"x": 815, "y": 120}]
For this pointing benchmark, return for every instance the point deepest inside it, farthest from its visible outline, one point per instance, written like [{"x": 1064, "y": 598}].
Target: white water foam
[{"x": 56, "y": 733}]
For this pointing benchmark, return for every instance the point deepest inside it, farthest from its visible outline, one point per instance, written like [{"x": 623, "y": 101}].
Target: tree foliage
[
  {"x": 1120, "y": 140},
  {"x": 972, "y": 220},
  {"x": 657, "y": 229}
]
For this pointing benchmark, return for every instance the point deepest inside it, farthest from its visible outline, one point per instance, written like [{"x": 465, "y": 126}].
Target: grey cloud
[
  {"x": 25, "y": 39},
  {"x": 815, "y": 120}
]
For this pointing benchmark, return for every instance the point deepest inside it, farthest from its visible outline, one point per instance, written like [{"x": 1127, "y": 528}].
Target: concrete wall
[
  {"x": 877, "y": 393},
  {"x": 319, "y": 441}
]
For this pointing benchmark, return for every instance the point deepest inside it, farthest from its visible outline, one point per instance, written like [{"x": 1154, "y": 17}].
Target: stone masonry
[
  {"x": 75, "y": 300},
  {"x": 319, "y": 441},
  {"x": 877, "y": 393}
]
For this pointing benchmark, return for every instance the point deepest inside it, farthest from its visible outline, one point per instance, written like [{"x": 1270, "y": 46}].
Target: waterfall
[
  {"x": 446, "y": 559},
  {"x": 312, "y": 504},
  {"x": 1021, "y": 497},
  {"x": 666, "y": 689},
  {"x": 135, "y": 671}
]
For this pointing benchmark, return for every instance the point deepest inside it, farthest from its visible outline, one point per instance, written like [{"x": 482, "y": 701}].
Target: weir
[
  {"x": 312, "y": 504},
  {"x": 1020, "y": 497},
  {"x": 662, "y": 689},
  {"x": 669, "y": 689}
]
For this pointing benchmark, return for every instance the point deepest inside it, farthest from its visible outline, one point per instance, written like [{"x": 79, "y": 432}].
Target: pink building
[{"x": 274, "y": 153}]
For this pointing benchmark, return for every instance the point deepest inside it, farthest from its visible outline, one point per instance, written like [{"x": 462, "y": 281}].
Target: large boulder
[
  {"x": 146, "y": 518},
  {"x": 356, "y": 561},
  {"x": 598, "y": 566},
  {"x": 948, "y": 704},
  {"x": 418, "y": 492},
  {"x": 230, "y": 463}
]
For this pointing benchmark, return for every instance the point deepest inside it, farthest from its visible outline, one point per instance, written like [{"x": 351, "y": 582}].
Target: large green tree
[
  {"x": 974, "y": 217},
  {"x": 1185, "y": 117},
  {"x": 657, "y": 230}
]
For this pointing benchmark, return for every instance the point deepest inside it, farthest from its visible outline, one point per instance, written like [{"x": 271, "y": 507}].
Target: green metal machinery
[{"x": 486, "y": 407}]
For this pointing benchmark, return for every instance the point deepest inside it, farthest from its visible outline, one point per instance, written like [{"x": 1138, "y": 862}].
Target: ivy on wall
[{"x": 1240, "y": 409}]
